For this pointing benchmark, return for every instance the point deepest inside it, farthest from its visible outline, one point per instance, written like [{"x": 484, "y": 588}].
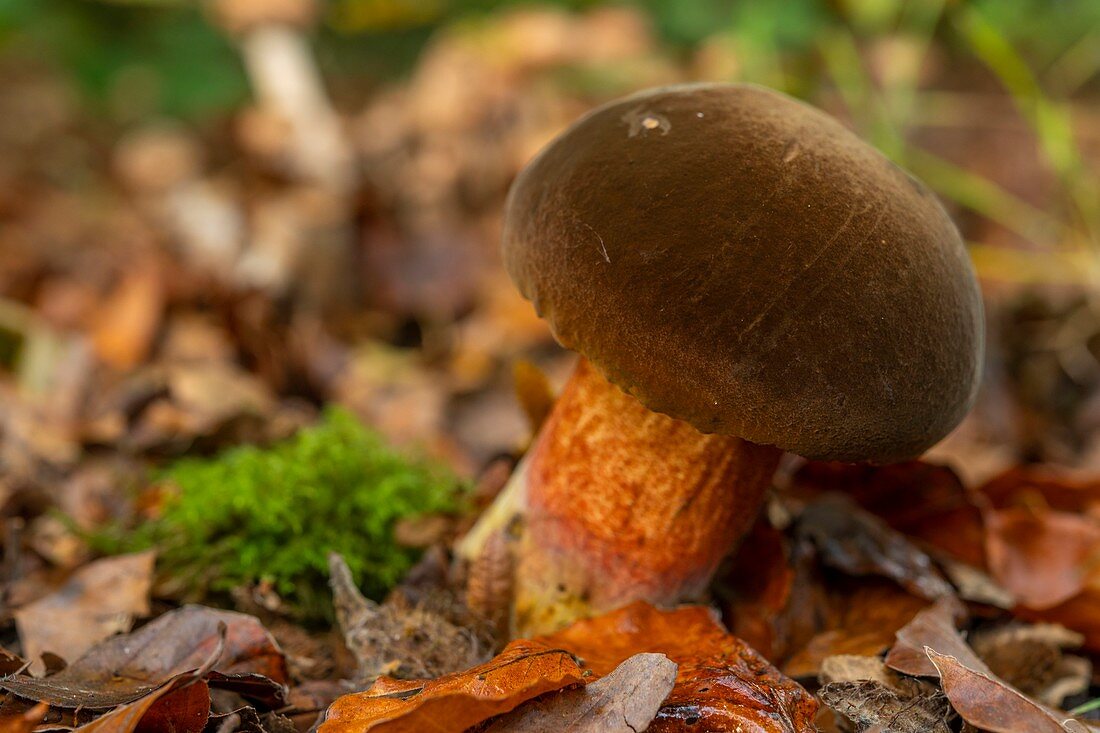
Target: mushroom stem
[{"x": 626, "y": 504}]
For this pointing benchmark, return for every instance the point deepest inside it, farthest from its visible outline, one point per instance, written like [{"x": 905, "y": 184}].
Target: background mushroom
[{"x": 742, "y": 276}]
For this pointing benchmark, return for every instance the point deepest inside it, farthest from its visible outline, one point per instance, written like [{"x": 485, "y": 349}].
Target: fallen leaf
[
  {"x": 973, "y": 584},
  {"x": 721, "y": 684},
  {"x": 1032, "y": 659},
  {"x": 24, "y": 722},
  {"x": 866, "y": 692},
  {"x": 625, "y": 701},
  {"x": 129, "y": 317},
  {"x": 1043, "y": 557},
  {"x": 856, "y": 542},
  {"x": 398, "y": 640},
  {"x": 992, "y": 705},
  {"x": 1041, "y": 485},
  {"x": 920, "y": 500},
  {"x": 759, "y": 586},
  {"x": 868, "y": 615},
  {"x": 101, "y": 599},
  {"x": 1080, "y": 613},
  {"x": 455, "y": 702},
  {"x": 180, "y": 706},
  {"x": 935, "y": 628},
  {"x": 125, "y": 668}
]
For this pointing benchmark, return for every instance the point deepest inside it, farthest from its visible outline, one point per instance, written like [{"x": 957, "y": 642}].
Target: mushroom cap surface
[{"x": 740, "y": 260}]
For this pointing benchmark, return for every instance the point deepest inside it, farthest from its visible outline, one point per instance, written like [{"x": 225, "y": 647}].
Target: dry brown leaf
[
  {"x": 856, "y": 542},
  {"x": 1080, "y": 613},
  {"x": 128, "y": 319},
  {"x": 397, "y": 639},
  {"x": 624, "y": 701},
  {"x": 992, "y": 705},
  {"x": 101, "y": 599},
  {"x": 1043, "y": 557},
  {"x": 1032, "y": 659},
  {"x": 920, "y": 500},
  {"x": 451, "y": 704},
  {"x": 760, "y": 582},
  {"x": 1041, "y": 485},
  {"x": 125, "y": 668},
  {"x": 866, "y": 692},
  {"x": 721, "y": 684},
  {"x": 934, "y": 627}
]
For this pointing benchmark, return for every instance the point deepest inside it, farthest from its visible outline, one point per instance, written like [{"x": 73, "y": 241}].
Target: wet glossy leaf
[
  {"x": 455, "y": 702},
  {"x": 722, "y": 682},
  {"x": 624, "y": 701}
]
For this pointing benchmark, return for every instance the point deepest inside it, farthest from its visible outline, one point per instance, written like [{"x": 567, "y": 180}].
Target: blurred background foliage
[
  {"x": 136, "y": 59},
  {"x": 141, "y": 131}
]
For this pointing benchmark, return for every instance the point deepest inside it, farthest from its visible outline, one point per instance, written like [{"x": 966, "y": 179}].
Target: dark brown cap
[{"x": 739, "y": 260}]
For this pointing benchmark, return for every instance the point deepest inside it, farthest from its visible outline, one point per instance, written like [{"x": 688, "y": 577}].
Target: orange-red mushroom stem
[{"x": 626, "y": 504}]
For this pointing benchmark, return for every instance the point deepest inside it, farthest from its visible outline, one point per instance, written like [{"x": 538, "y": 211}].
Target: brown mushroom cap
[{"x": 739, "y": 260}]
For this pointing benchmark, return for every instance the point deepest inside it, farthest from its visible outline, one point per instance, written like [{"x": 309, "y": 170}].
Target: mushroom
[
  {"x": 741, "y": 276},
  {"x": 284, "y": 75}
]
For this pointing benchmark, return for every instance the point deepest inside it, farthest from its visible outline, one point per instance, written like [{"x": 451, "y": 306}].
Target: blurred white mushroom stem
[{"x": 271, "y": 37}]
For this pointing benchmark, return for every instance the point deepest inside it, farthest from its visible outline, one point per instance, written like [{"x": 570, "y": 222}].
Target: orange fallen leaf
[
  {"x": 128, "y": 319},
  {"x": 721, "y": 684},
  {"x": 25, "y": 721},
  {"x": 455, "y": 702},
  {"x": 869, "y": 615},
  {"x": 1031, "y": 485},
  {"x": 1043, "y": 557}
]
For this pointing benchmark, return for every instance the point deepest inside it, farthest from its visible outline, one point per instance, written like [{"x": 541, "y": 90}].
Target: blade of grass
[
  {"x": 985, "y": 197},
  {"x": 1050, "y": 120}
]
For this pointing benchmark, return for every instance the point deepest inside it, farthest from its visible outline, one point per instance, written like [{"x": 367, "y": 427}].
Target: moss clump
[{"x": 273, "y": 514}]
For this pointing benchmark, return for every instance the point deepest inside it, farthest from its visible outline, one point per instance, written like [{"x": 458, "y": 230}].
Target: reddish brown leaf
[
  {"x": 1081, "y": 613},
  {"x": 721, "y": 684},
  {"x": 918, "y": 499},
  {"x": 777, "y": 601},
  {"x": 24, "y": 722},
  {"x": 1041, "y": 556},
  {"x": 856, "y": 542},
  {"x": 992, "y": 705},
  {"x": 182, "y": 705},
  {"x": 869, "y": 615},
  {"x": 455, "y": 702},
  {"x": 933, "y": 628},
  {"x": 1037, "y": 485}
]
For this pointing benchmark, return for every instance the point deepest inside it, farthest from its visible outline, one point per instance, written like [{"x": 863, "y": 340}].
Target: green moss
[{"x": 274, "y": 514}]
